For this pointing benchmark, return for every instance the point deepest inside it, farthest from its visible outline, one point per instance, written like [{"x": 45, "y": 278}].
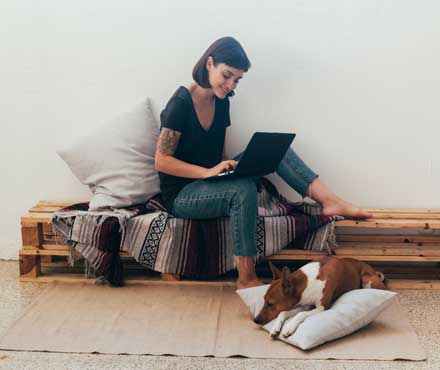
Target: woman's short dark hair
[{"x": 226, "y": 50}]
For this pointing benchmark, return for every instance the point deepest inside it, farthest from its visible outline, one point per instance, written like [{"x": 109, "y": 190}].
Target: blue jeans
[{"x": 237, "y": 198}]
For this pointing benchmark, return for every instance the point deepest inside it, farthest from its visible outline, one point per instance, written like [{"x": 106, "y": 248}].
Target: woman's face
[{"x": 223, "y": 78}]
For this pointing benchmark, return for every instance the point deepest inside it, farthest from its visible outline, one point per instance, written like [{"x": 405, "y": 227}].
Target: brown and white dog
[{"x": 317, "y": 284}]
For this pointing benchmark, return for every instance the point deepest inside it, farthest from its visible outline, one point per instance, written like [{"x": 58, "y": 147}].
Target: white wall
[{"x": 356, "y": 80}]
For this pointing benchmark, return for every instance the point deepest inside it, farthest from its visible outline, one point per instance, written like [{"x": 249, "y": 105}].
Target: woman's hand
[{"x": 223, "y": 166}]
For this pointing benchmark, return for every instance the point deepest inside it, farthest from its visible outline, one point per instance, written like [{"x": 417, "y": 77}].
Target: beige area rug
[{"x": 185, "y": 320}]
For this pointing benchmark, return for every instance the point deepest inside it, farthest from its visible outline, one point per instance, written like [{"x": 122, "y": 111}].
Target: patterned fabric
[{"x": 192, "y": 248}]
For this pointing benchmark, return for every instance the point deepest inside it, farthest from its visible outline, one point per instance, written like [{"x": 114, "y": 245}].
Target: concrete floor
[{"x": 423, "y": 308}]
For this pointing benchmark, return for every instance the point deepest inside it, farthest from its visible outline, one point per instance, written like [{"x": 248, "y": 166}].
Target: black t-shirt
[{"x": 196, "y": 145}]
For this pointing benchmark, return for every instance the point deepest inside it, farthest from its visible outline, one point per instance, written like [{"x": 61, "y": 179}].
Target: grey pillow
[{"x": 117, "y": 160}]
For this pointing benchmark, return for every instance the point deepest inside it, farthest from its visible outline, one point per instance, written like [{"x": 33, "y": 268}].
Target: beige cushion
[
  {"x": 117, "y": 160},
  {"x": 349, "y": 312}
]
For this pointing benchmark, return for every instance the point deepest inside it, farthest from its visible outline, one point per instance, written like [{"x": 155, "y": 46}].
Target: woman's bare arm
[{"x": 166, "y": 162}]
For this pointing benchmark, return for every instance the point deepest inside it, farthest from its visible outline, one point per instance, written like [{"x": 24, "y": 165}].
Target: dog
[{"x": 317, "y": 284}]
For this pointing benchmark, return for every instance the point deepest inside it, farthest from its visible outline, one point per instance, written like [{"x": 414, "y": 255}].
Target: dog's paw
[
  {"x": 290, "y": 328},
  {"x": 276, "y": 329}
]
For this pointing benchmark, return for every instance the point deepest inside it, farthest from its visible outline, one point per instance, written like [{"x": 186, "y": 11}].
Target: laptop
[{"x": 262, "y": 155}]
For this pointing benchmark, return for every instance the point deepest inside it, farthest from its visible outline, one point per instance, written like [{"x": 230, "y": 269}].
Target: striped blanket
[{"x": 192, "y": 248}]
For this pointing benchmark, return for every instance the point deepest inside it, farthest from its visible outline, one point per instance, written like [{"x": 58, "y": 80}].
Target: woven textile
[{"x": 193, "y": 248}]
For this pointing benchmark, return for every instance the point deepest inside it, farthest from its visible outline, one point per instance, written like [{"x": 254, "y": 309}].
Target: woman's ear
[{"x": 209, "y": 63}]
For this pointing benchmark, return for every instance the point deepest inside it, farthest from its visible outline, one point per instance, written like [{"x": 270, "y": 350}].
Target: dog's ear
[
  {"x": 380, "y": 275},
  {"x": 276, "y": 272},
  {"x": 285, "y": 280}
]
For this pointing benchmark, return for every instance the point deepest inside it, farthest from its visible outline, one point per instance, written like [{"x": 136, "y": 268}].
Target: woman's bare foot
[
  {"x": 247, "y": 277},
  {"x": 248, "y": 283},
  {"x": 333, "y": 205},
  {"x": 342, "y": 208}
]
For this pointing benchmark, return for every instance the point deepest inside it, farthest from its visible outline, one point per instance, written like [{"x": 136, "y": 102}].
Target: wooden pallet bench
[
  {"x": 408, "y": 240},
  {"x": 394, "y": 235}
]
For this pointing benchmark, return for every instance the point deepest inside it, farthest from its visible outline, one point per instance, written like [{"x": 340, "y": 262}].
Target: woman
[{"x": 191, "y": 148}]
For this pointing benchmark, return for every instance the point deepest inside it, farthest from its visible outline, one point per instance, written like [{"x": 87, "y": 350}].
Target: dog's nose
[{"x": 256, "y": 320}]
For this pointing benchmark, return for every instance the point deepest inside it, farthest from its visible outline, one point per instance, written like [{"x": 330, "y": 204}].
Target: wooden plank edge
[
  {"x": 29, "y": 218},
  {"x": 390, "y": 224},
  {"x": 396, "y": 284},
  {"x": 392, "y": 284},
  {"x": 44, "y": 209},
  {"x": 29, "y": 251},
  {"x": 382, "y": 258},
  {"x": 147, "y": 281},
  {"x": 58, "y": 203},
  {"x": 406, "y": 216},
  {"x": 403, "y": 210}
]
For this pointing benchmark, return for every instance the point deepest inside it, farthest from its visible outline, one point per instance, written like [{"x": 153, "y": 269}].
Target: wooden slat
[
  {"x": 407, "y": 216},
  {"x": 394, "y": 284},
  {"x": 407, "y": 269},
  {"x": 29, "y": 266},
  {"x": 397, "y": 249},
  {"x": 42, "y": 252},
  {"x": 44, "y": 209},
  {"x": 432, "y": 251},
  {"x": 47, "y": 247},
  {"x": 371, "y": 253},
  {"x": 60, "y": 247},
  {"x": 31, "y": 235},
  {"x": 405, "y": 224},
  {"x": 386, "y": 231},
  {"x": 387, "y": 238},
  {"x": 35, "y": 217},
  {"x": 294, "y": 256},
  {"x": 79, "y": 278},
  {"x": 128, "y": 267},
  {"x": 29, "y": 247},
  {"x": 59, "y": 250},
  {"x": 403, "y": 210},
  {"x": 57, "y": 203},
  {"x": 382, "y": 258},
  {"x": 391, "y": 258}
]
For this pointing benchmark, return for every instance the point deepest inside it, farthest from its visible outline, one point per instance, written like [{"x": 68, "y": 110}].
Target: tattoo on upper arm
[{"x": 168, "y": 141}]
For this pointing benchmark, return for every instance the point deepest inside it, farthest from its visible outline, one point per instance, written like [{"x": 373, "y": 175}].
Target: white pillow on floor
[
  {"x": 350, "y": 312},
  {"x": 117, "y": 160}
]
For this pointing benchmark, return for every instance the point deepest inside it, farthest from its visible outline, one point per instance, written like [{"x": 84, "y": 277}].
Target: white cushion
[
  {"x": 117, "y": 160},
  {"x": 350, "y": 312}
]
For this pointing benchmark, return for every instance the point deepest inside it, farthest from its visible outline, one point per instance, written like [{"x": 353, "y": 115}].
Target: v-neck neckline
[{"x": 195, "y": 112}]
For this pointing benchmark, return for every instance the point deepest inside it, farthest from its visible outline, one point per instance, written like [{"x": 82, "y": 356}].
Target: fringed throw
[{"x": 193, "y": 248}]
